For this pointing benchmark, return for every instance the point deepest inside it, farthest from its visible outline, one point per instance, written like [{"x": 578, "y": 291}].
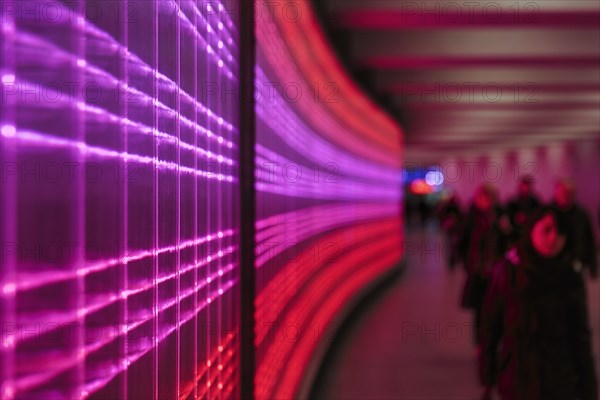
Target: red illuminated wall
[{"x": 328, "y": 195}]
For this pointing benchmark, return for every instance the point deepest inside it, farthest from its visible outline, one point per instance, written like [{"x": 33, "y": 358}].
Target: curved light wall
[
  {"x": 120, "y": 198},
  {"x": 328, "y": 194},
  {"x": 118, "y": 203}
]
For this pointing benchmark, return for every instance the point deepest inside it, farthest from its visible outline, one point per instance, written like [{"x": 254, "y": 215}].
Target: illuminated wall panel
[
  {"x": 119, "y": 258},
  {"x": 328, "y": 194}
]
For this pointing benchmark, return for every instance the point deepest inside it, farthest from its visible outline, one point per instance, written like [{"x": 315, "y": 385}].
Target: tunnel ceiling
[{"x": 466, "y": 76}]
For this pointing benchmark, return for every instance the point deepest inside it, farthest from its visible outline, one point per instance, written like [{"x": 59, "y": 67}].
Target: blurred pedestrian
[
  {"x": 535, "y": 336},
  {"x": 481, "y": 245},
  {"x": 575, "y": 223},
  {"x": 451, "y": 217},
  {"x": 423, "y": 210},
  {"x": 521, "y": 206}
]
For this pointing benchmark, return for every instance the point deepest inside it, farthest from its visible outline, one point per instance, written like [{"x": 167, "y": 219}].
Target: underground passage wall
[
  {"x": 120, "y": 199},
  {"x": 328, "y": 194}
]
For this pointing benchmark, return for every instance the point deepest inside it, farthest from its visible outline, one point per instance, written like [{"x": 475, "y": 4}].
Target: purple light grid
[{"x": 119, "y": 230}]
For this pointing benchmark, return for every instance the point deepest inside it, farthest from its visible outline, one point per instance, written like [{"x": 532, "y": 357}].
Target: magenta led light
[{"x": 119, "y": 257}]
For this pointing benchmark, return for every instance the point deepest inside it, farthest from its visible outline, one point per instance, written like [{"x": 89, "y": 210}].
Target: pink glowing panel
[{"x": 119, "y": 257}]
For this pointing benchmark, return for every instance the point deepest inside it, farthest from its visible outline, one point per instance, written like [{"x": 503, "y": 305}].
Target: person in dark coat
[
  {"x": 535, "y": 336},
  {"x": 575, "y": 223},
  {"x": 482, "y": 244},
  {"x": 451, "y": 218},
  {"x": 521, "y": 206}
]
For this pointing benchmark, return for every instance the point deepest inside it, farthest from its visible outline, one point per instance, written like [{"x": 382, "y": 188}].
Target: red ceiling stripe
[
  {"x": 443, "y": 62},
  {"x": 507, "y": 106},
  {"x": 463, "y": 18},
  {"x": 416, "y": 88}
]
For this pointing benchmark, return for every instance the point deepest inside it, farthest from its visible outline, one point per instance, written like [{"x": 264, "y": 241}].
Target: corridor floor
[{"x": 412, "y": 341}]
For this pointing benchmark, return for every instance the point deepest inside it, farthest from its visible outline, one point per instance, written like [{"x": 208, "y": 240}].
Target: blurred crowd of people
[{"x": 525, "y": 265}]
